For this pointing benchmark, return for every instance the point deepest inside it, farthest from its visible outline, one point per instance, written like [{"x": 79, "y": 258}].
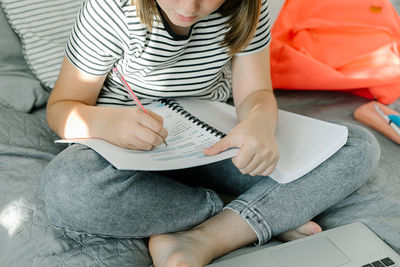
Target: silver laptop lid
[{"x": 347, "y": 246}]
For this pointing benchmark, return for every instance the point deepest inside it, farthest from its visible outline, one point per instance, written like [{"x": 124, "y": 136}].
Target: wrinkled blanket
[{"x": 27, "y": 145}]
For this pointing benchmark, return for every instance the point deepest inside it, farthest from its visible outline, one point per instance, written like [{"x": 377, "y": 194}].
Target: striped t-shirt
[{"x": 156, "y": 63}]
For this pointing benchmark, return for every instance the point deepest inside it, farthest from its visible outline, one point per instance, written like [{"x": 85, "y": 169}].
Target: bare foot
[
  {"x": 304, "y": 230},
  {"x": 200, "y": 245},
  {"x": 183, "y": 249}
]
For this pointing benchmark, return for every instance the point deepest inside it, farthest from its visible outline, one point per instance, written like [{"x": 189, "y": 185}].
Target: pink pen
[
  {"x": 129, "y": 89},
  {"x": 131, "y": 93}
]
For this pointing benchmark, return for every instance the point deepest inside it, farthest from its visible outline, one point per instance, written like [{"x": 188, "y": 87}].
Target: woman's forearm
[
  {"x": 73, "y": 119},
  {"x": 262, "y": 104}
]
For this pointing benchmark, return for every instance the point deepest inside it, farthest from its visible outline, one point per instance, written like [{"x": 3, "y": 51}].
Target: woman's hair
[{"x": 242, "y": 21}]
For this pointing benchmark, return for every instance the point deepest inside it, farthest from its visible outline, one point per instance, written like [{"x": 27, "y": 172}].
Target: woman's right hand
[
  {"x": 72, "y": 113},
  {"x": 132, "y": 128}
]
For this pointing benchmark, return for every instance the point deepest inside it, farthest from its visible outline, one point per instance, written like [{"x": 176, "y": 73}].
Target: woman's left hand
[{"x": 258, "y": 153}]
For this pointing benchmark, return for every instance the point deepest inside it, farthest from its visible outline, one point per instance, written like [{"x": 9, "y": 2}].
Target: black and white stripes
[
  {"x": 155, "y": 63},
  {"x": 108, "y": 33},
  {"x": 44, "y": 27}
]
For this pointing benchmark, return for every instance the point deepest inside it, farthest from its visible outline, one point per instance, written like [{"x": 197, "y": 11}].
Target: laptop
[{"x": 351, "y": 245}]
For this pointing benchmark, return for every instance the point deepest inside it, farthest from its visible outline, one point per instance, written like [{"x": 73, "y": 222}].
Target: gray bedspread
[{"x": 27, "y": 239}]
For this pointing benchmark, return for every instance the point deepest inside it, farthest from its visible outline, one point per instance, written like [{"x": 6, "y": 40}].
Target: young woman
[{"x": 173, "y": 48}]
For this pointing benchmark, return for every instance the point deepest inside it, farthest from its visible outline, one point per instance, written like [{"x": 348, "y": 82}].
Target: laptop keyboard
[{"x": 382, "y": 263}]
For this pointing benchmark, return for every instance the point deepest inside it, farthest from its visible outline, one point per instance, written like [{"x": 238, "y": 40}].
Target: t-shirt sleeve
[
  {"x": 94, "y": 44},
  {"x": 262, "y": 36}
]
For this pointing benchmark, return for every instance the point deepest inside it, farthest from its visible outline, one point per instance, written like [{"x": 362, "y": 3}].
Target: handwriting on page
[{"x": 184, "y": 140}]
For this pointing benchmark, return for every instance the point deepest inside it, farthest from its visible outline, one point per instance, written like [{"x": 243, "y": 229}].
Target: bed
[{"x": 27, "y": 145}]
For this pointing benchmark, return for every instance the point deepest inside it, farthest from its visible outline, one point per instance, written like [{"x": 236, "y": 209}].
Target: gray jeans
[{"x": 84, "y": 193}]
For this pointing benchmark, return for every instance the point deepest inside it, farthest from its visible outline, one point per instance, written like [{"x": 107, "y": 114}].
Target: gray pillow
[
  {"x": 19, "y": 89},
  {"x": 44, "y": 28}
]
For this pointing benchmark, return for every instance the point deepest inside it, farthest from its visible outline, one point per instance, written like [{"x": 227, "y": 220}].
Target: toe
[
  {"x": 309, "y": 228},
  {"x": 304, "y": 230}
]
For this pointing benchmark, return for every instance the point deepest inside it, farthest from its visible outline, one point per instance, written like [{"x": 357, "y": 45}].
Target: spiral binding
[{"x": 174, "y": 105}]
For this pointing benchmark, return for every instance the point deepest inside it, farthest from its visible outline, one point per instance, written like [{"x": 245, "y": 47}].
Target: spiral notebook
[{"x": 193, "y": 125}]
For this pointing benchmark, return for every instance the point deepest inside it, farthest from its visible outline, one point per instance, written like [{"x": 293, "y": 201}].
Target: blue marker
[
  {"x": 386, "y": 118},
  {"x": 395, "y": 119}
]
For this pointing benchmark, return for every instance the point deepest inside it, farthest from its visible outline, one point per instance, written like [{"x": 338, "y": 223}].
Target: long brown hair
[{"x": 242, "y": 21}]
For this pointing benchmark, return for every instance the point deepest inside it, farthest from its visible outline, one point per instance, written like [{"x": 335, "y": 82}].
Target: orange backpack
[{"x": 338, "y": 45}]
